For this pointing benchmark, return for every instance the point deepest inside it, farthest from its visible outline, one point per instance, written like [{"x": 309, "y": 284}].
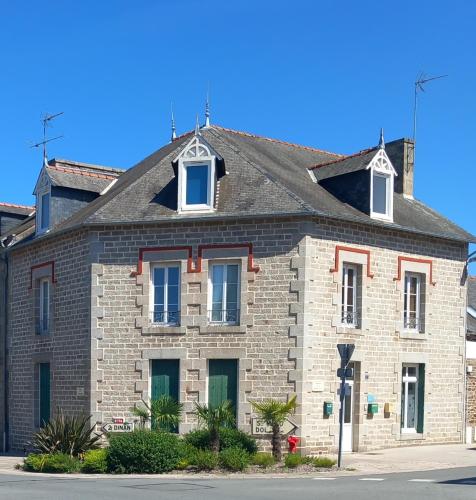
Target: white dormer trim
[
  {"x": 381, "y": 166},
  {"x": 196, "y": 153},
  {"x": 42, "y": 188}
]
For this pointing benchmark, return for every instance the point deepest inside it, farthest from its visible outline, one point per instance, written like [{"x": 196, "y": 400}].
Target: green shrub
[
  {"x": 55, "y": 463},
  {"x": 234, "y": 438},
  {"x": 323, "y": 462},
  {"x": 143, "y": 451},
  {"x": 65, "y": 434},
  {"x": 234, "y": 459},
  {"x": 229, "y": 438},
  {"x": 292, "y": 460},
  {"x": 263, "y": 459},
  {"x": 95, "y": 461},
  {"x": 204, "y": 459}
]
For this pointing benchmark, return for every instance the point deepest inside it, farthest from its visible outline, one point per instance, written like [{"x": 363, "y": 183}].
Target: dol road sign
[
  {"x": 345, "y": 351},
  {"x": 118, "y": 427},
  {"x": 259, "y": 426}
]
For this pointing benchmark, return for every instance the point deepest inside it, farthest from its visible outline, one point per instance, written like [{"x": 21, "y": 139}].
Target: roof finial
[
  {"x": 197, "y": 126},
  {"x": 174, "y": 133},
  {"x": 207, "y": 108},
  {"x": 381, "y": 142}
]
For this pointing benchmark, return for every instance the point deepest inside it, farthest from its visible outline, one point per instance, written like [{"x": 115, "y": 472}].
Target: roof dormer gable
[{"x": 197, "y": 176}]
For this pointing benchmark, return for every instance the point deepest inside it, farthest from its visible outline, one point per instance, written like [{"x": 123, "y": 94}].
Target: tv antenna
[
  {"x": 46, "y": 123},
  {"x": 419, "y": 87}
]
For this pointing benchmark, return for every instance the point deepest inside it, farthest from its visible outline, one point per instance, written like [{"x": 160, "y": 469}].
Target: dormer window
[
  {"x": 196, "y": 177},
  {"x": 382, "y": 174},
  {"x": 44, "y": 212}
]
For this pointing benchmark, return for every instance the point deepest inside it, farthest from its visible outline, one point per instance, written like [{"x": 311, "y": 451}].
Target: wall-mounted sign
[
  {"x": 259, "y": 426},
  {"x": 118, "y": 427}
]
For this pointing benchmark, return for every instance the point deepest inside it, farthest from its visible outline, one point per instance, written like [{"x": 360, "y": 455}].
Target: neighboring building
[
  {"x": 229, "y": 266},
  {"x": 471, "y": 361}
]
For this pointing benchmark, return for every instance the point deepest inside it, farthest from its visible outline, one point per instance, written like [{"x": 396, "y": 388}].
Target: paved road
[{"x": 434, "y": 485}]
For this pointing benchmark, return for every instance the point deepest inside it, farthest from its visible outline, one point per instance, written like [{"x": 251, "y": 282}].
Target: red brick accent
[
  {"x": 198, "y": 268},
  {"x": 39, "y": 266},
  {"x": 402, "y": 258},
  {"x": 351, "y": 249},
  {"x": 142, "y": 251},
  {"x": 249, "y": 246}
]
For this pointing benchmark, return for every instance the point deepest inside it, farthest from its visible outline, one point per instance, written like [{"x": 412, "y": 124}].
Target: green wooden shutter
[
  {"x": 222, "y": 381},
  {"x": 44, "y": 376},
  {"x": 165, "y": 380},
  {"x": 421, "y": 398}
]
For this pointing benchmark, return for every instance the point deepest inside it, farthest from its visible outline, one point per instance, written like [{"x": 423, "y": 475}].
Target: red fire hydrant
[{"x": 293, "y": 442}]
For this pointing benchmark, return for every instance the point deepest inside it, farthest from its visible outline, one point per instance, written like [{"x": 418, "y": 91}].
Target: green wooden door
[
  {"x": 165, "y": 380},
  {"x": 222, "y": 381},
  {"x": 44, "y": 396}
]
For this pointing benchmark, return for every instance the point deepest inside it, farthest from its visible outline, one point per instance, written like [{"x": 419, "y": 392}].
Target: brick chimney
[{"x": 400, "y": 153}]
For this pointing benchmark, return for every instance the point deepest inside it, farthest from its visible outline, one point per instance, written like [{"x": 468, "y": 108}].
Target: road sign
[
  {"x": 345, "y": 351},
  {"x": 347, "y": 372},
  {"x": 116, "y": 427},
  {"x": 259, "y": 426}
]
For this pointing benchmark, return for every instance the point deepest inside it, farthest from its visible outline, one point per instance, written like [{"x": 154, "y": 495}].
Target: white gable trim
[
  {"x": 197, "y": 149},
  {"x": 43, "y": 183},
  {"x": 381, "y": 163}
]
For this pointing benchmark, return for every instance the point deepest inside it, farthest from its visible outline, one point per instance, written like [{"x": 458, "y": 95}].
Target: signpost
[
  {"x": 118, "y": 425},
  {"x": 345, "y": 352},
  {"x": 259, "y": 426}
]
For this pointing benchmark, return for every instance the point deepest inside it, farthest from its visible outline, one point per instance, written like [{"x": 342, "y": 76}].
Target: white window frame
[
  {"x": 165, "y": 266},
  {"x": 39, "y": 211},
  {"x": 182, "y": 201},
  {"x": 41, "y": 317},
  {"x": 406, "y": 379},
  {"x": 406, "y": 301},
  {"x": 345, "y": 276},
  {"x": 388, "y": 215},
  {"x": 224, "y": 284}
]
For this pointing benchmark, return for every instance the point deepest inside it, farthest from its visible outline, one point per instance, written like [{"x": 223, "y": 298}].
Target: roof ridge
[
  {"x": 80, "y": 172},
  {"x": 80, "y": 164},
  {"x": 359, "y": 153},
  {"x": 14, "y": 205},
  {"x": 278, "y": 141}
]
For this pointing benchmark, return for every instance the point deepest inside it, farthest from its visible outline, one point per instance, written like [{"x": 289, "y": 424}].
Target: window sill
[
  {"x": 413, "y": 335},
  {"x": 223, "y": 328},
  {"x": 349, "y": 330},
  {"x": 410, "y": 436},
  {"x": 163, "y": 330}
]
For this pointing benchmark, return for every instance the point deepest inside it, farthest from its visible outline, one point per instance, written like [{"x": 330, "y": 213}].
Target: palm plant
[
  {"x": 274, "y": 413},
  {"x": 65, "y": 434},
  {"x": 215, "y": 418},
  {"x": 164, "y": 413}
]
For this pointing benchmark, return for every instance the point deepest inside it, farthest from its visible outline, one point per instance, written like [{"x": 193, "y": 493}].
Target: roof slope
[
  {"x": 263, "y": 177},
  {"x": 11, "y": 208},
  {"x": 83, "y": 176}
]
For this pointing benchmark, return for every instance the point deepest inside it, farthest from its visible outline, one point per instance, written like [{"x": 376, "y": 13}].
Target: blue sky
[{"x": 322, "y": 73}]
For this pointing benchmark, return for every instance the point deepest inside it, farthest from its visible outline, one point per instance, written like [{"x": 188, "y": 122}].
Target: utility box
[
  {"x": 389, "y": 408},
  {"x": 372, "y": 408},
  {"x": 328, "y": 408}
]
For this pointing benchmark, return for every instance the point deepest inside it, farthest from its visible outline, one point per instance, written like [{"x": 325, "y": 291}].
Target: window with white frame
[
  {"x": 381, "y": 194},
  {"x": 409, "y": 416},
  {"x": 196, "y": 176},
  {"x": 351, "y": 295},
  {"x": 224, "y": 293},
  {"x": 44, "y": 303},
  {"x": 413, "y": 302},
  {"x": 165, "y": 294},
  {"x": 44, "y": 212}
]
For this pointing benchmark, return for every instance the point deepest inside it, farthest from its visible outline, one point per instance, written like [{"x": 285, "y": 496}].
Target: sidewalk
[
  {"x": 393, "y": 460},
  {"x": 413, "y": 458}
]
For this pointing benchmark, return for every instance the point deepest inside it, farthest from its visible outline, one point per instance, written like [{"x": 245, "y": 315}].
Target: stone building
[
  {"x": 229, "y": 266},
  {"x": 471, "y": 362}
]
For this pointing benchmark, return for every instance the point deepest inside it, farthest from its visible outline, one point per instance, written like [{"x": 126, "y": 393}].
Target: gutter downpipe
[{"x": 5, "y": 359}]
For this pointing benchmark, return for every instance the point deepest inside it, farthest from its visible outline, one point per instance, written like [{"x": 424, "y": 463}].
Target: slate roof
[
  {"x": 264, "y": 177},
  {"x": 83, "y": 176},
  {"x": 346, "y": 165},
  {"x": 12, "y": 208}
]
